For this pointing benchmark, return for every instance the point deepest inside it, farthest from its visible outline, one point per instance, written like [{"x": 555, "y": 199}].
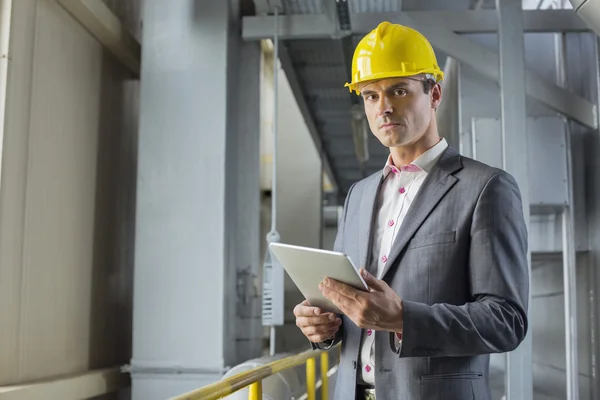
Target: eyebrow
[{"x": 393, "y": 87}]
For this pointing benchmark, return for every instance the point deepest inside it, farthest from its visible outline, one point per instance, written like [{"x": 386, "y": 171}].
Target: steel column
[
  {"x": 519, "y": 384},
  {"x": 568, "y": 245}
]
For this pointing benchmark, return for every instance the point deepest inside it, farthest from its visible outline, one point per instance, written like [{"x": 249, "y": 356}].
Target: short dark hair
[{"x": 428, "y": 84}]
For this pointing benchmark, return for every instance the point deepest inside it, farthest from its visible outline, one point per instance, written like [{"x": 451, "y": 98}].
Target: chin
[{"x": 391, "y": 140}]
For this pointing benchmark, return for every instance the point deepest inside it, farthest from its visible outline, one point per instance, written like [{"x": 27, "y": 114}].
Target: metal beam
[
  {"x": 478, "y": 21},
  {"x": 468, "y": 21},
  {"x": 100, "y": 21},
  {"x": 305, "y": 26},
  {"x": 515, "y": 160},
  {"x": 294, "y": 82}
]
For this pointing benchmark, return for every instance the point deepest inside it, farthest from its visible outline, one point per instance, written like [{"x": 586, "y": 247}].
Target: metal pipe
[
  {"x": 311, "y": 375},
  {"x": 6, "y": 16},
  {"x": 568, "y": 243},
  {"x": 272, "y": 337},
  {"x": 273, "y": 234},
  {"x": 255, "y": 392},
  {"x": 593, "y": 273},
  {"x": 570, "y": 305},
  {"x": 275, "y": 109},
  {"x": 460, "y": 106},
  {"x": 324, "y": 376}
]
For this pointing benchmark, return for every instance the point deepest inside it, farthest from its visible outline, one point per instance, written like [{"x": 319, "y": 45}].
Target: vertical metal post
[
  {"x": 273, "y": 235},
  {"x": 570, "y": 296},
  {"x": 255, "y": 392},
  {"x": 311, "y": 381},
  {"x": 459, "y": 95},
  {"x": 568, "y": 245},
  {"x": 324, "y": 376},
  {"x": 593, "y": 272},
  {"x": 515, "y": 154}
]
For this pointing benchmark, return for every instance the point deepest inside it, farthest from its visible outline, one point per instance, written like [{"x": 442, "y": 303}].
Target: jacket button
[{"x": 354, "y": 364}]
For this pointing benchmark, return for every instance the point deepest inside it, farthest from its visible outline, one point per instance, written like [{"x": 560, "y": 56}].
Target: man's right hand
[{"x": 315, "y": 324}]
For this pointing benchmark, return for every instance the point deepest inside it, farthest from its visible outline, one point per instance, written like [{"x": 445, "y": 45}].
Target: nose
[{"x": 385, "y": 106}]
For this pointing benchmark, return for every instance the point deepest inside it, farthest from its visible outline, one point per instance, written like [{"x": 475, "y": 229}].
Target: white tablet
[{"x": 308, "y": 267}]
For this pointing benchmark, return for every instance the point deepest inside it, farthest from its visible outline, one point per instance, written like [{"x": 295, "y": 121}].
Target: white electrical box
[{"x": 273, "y": 291}]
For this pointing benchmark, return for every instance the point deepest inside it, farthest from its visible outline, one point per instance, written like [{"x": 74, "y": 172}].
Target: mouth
[{"x": 389, "y": 125}]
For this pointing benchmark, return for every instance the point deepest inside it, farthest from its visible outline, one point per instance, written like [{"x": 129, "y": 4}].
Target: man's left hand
[{"x": 379, "y": 309}]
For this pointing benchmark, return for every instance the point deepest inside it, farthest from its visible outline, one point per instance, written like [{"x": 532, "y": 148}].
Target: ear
[{"x": 436, "y": 96}]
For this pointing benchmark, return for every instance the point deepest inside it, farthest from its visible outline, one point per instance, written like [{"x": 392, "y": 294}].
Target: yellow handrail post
[
  {"x": 324, "y": 376},
  {"x": 311, "y": 374},
  {"x": 255, "y": 392}
]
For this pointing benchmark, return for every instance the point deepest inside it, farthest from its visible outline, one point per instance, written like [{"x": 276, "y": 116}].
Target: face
[{"x": 398, "y": 110}]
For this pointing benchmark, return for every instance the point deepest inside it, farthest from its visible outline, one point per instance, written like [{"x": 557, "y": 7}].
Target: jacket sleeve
[
  {"x": 339, "y": 247},
  {"x": 495, "y": 321}
]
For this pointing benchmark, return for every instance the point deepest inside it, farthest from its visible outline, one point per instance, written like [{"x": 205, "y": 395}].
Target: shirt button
[
  {"x": 384, "y": 258},
  {"x": 368, "y": 368},
  {"x": 391, "y": 222},
  {"x": 402, "y": 190}
]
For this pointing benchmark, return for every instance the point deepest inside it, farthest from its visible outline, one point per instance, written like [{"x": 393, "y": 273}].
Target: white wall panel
[{"x": 66, "y": 201}]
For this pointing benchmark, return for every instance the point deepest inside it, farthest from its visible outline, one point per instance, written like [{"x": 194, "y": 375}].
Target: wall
[{"x": 66, "y": 201}]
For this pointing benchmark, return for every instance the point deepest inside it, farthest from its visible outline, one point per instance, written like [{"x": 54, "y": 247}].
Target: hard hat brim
[{"x": 353, "y": 86}]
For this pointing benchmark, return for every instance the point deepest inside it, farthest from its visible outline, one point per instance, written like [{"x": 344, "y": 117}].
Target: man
[{"x": 439, "y": 238}]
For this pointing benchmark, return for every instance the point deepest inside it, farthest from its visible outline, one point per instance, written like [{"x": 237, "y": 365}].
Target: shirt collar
[{"x": 424, "y": 162}]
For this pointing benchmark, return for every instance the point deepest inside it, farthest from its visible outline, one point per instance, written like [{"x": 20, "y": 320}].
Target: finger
[
  {"x": 304, "y": 310},
  {"x": 338, "y": 287},
  {"x": 323, "y": 337},
  {"x": 320, "y": 320},
  {"x": 319, "y": 332},
  {"x": 372, "y": 282},
  {"x": 322, "y": 328}
]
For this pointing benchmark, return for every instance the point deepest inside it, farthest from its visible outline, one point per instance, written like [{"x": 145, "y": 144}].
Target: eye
[
  {"x": 399, "y": 92},
  {"x": 371, "y": 97}
]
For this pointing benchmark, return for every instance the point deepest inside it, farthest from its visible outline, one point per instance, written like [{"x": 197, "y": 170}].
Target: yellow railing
[{"x": 255, "y": 376}]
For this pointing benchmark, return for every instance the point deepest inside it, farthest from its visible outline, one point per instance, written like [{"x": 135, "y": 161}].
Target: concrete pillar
[{"x": 196, "y": 307}]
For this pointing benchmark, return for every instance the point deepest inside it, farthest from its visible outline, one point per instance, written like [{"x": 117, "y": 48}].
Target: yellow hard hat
[{"x": 391, "y": 51}]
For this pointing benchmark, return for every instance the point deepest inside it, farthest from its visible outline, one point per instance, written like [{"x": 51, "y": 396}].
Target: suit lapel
[
  {"x": 437, "y": 183},
  {"x": 367, "y": 209}
]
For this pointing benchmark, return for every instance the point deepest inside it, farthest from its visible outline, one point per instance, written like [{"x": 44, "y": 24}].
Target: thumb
[{"x": 372, "y": 282}]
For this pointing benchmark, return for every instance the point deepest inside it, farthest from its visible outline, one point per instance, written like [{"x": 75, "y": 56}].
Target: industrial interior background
[{"x": 135, "y": 135}]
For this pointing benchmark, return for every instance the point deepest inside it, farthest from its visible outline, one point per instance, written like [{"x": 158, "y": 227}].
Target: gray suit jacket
[{"x": 460, "y": 265}]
